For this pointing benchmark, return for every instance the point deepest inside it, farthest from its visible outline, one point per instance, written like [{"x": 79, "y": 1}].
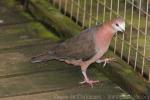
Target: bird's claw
[
  {"x": 90, "y": 82},
  {"x": 106, "y": 60}
]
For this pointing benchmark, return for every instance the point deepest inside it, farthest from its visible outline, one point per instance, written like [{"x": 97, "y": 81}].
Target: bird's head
[{"x": 118, "y": 25}]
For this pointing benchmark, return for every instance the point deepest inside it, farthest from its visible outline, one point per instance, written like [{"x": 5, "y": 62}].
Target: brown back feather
[{"x": 81, "y": 46}]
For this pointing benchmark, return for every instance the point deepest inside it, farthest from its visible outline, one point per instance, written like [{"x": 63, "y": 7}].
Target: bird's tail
[{"x": 42, "y": 58}]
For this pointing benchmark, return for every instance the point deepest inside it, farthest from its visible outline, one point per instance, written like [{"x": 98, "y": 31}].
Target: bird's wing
[{"x": 81, "y": 46}]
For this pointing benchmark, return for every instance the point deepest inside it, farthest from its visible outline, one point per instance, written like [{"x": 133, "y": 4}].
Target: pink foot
[
  {"x": 90, "y": 82},
  {"x": 106, "y": 60}
]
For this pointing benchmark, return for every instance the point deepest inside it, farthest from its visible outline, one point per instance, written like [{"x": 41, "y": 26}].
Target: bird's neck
[{"x": 103, "y": 38}]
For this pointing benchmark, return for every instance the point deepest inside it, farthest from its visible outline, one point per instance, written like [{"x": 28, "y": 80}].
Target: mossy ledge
[
  {"x": 45, "y": 12},
  {"x": 120, "y": 72}
]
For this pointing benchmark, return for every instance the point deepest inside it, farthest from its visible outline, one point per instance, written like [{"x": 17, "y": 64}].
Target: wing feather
[{"x": 81, "y": 46}]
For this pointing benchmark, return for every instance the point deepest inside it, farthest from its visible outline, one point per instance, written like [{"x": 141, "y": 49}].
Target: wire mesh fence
[{"x": 134, "y": 45}]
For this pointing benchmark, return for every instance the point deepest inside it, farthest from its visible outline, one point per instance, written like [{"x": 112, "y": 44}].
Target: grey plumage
[{"x": 81, "y": 46}]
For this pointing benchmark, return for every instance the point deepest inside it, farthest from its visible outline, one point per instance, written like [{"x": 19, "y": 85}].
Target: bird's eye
[{"x": 117, "y": 24}]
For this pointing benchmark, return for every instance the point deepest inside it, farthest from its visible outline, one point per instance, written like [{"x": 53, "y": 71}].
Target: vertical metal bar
[
  {"x": 145, "y": 39},
  {"x": 115, "y": 47},
  {"x": 54, "y": 2},
  {"x": 78, "y": 9},
  {"x": 122, "y": 46},
  {"x": 60, "y": 4},
  {"x": 138, "y": 34},
  {"x": 130, "y": 41},
  {"x": 149, "y": 75},
  {"x": 84, "y": 11},
  {"x": 72, "y": 4},
  {"x": 104, "y": 10},
  {"x": 110, "y": 16},
  {"x": 90, "y": 19},
  {"x": 97, "y": 12},
  {"x": 66, "y": 4}
]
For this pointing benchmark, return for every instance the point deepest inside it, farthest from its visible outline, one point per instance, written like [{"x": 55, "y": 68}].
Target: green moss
[
  {"x": 43, "y": 32},
  {"x": 47, "y": 13},
  {"x": 24, "y": 34},
  {"x": 10, "y": 3},
  {"x": 26, "y": 15}
]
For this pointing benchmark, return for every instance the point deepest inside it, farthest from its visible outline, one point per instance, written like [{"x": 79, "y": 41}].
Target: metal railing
[{"x": 134, "y": 45}]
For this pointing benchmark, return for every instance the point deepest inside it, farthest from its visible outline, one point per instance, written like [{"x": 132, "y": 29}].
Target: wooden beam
[
  {"x": 120, "y": 72},
  {"x": 45, "y": 12}
]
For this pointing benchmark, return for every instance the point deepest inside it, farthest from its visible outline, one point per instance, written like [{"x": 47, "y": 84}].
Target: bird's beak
[
  {"x": 122, "y": 27},
  {"x": 122, "y": 30}
]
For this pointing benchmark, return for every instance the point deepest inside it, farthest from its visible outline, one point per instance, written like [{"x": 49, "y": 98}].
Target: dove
[{"x": 85, "y": 48}]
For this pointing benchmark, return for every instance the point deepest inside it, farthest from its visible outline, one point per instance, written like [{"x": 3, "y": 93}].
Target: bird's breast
[{"x": 102, "y": 42}]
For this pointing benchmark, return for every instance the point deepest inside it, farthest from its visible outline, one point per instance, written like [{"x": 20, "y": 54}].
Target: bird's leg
[
  {"x": 106, "y": 60},
  {"x": 84, "y": 67},
  {"x": 87, "y": 80}
]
